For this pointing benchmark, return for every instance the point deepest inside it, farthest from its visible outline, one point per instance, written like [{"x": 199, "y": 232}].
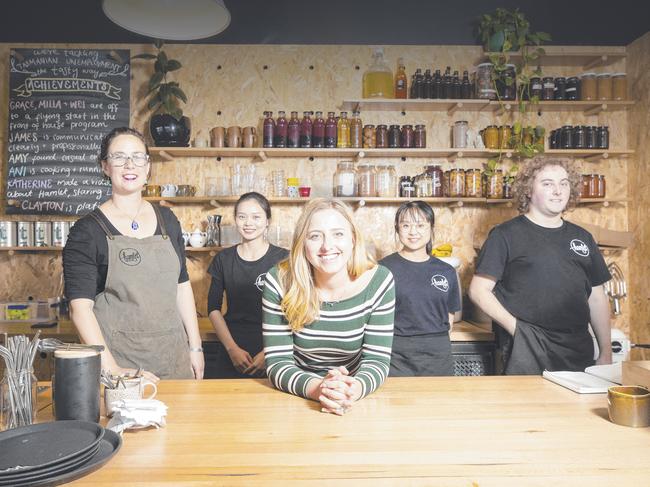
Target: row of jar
[
  {"x": 587, "y": 87},
  {"x": 579, "y": 137},
  {"x": 593, "y": 186},
  {"x": 503, "y": 136},
  {"x": 34, "y": 234}
]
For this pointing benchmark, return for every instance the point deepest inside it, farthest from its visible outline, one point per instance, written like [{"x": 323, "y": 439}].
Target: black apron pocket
[{"x": 529, "y": 349}]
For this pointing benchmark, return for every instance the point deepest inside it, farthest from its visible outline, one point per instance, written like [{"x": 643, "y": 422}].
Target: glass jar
[
  {"x": 17, "y": 398},
  {"x": 366, "y": 180},
  {"x": 356, "y": 129},
  {"x": 457, "y": 183},
  {"x": 602, "y": 137},
  {"x": 393, "y": 136},
  {"x": 505, "y": 137},
  {"x": 554, "y": 139},
  {"x": 473, "y": 183},
  {"x": 605, "y": 86},
  {"x": 423, "y": 185},
  {"x": 528, "y": 135},
  {"x": 559, "y": 92},
  {"x": 572, "y": 88},
  {"x": 566, "y": 137},
  {"x": 491, "y": 137},
  {"x": 588, "y": 87},
  {"x": 536, "y": 87},
  {"x": 584, "y": 187},
  {"x": 601, "y": 186},
  {"x": 446, "y": 176},
  {"x": 436, "y": 180},
  {"x": 506, "y": 83},
  {"x": 344, "y": 179},
  {"x": 407, "y": 136},
  {"x": 369, "y": 137},
  {"x": 548, "y": 88},
  {"x": 484, "y": 86},
  {"x": 619, "y": 83},
  {"x": 386, "y": 184},
  {"x": 420, "y": 136},
  {"x": 593, "y": 185},
  {"x": 592, "y": 138},
  {"x": 507, "y": 187},
  {"x": 382, "y": 137},
  {"x": 495, "y": 185},
  {"x": 459, "y": 134},
  {"x": 579, "y": 137},
  {"x": 406, "y": 188}
]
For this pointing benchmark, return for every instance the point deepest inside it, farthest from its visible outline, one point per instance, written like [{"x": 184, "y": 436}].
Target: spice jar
[
  {"x": 484, "y": 87},
  {"x": 548, "y": 88},
  {"x": 382, "y": 137},
  {"x": 406, "y": 188},
  {"x": 473, "y": 183},
  {"x": 369, "y": 137},
  {"x": 420, "y": 136},
  {"x": 572, "y": 88},
  {"x": 559, "y": 92},
  {"x": 491, "y": 137},
  {"x": 602, "y": 138},
  {"x": 393, "y": 136},
  {"x": 619, "y": 83},
  {"x": 495, "y": 185},
  {"x": 536, "y": 87},
  {"x": 407, "y": 137},
  {"x": 366, "y": 180},
  {"x": 605, "y": 88},
  {"x": 505, "y": 136},
  {"x": 588, "y": 87},
  {"x": 436, "y": 180},
  {"x": 457, "y": 183},
  {"x": 344, "y": 179}
]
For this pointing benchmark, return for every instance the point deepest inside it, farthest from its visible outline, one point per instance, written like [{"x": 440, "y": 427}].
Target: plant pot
[
  {"x": 166, "y": 131},
  {"x": 495, "y": 42}
]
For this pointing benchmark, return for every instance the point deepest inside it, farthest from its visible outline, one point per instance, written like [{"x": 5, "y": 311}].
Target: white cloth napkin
[{"x": 137, "y": 413}]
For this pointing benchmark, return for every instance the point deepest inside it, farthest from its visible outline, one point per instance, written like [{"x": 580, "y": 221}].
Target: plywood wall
[{"x": 233, "y": 85}]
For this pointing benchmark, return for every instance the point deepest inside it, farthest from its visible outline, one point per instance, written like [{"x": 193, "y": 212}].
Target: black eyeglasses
[{"x": 118, "y": 159}]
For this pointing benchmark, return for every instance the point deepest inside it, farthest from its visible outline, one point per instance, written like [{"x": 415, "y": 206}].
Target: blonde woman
[{"x": 328, "y": 312}]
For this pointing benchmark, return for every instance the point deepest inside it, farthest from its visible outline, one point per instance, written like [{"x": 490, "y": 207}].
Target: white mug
[
  {"x": 198, "y": 239},
  {"x": 133, "y": 389},
  {"x": 168, "y": 190}
]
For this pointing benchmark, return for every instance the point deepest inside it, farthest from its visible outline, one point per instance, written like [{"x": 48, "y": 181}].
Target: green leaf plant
[{"x": 164, "y": 95}]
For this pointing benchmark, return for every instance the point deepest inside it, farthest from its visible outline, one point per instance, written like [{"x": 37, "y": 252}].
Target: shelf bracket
[
  {"x": 596, "y": 109},
  {"x": 166, "y": 155},
  {"x": 215, "y": 203},
  {"x": 261, "y": 155},
  {"x": 597, "y": 61},
  {"x": 166, "y": 203},
  {"x": 360, "y": 155},
  {"x": 502, "y": 108},
  {"x": 597, "y": 157},
  {"x": 454, "y": 108}
]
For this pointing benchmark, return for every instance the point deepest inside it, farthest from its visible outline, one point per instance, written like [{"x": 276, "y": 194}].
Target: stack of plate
[{"x": 54, "y": 453}]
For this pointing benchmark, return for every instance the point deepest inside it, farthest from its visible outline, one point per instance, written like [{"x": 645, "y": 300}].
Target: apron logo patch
[
  {"x": 130, "y": 257},
  {"x": 440, "y": 283},
  {"x": 579, "y": 247},
  {"x": 259, "y": 282}
]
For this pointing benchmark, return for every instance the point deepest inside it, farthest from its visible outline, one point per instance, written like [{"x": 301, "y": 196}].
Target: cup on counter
[
  {"x": 629, "y": 405},
  {"x": 151, "y": 190},
  {"x": 169, "y": 190},
  {"x": 218, "y": 137},
  {"x": 234, "y": 136},
  {"x": 128, "y": 389},
  {"x": 198, "y": 238},
  {"x": 75, "y": 385},
  {"x": 185, "y": 190},
  {"x": 250, "y": 137}
]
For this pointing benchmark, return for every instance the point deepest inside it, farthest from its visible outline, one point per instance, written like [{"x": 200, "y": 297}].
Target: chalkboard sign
[{"x": 61, "y": 103}]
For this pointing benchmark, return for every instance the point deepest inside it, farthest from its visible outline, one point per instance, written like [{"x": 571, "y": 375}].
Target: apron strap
[
  {"x": 102, "y": 224},
  {"x": 161, "y": 222}
]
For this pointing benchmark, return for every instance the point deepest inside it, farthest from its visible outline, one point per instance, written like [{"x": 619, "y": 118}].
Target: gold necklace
[{"x": 134, "y": 224}]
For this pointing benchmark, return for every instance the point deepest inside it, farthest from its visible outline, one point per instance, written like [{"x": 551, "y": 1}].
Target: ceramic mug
[
  {"x": 233, "y": 137},
  {"x": 151, "y": 190},
  {"x": 198, "y": 239},
  {"x": 133, "y": 389},
  {"x": 249, "y": 137},
  {"x": 186, "y": 238},
  {"x": 168, "y": 190},
  {"x": 629, "y": 406},
  {"x": 217, "y": 137},
  {"x": 185, "y": 190}
]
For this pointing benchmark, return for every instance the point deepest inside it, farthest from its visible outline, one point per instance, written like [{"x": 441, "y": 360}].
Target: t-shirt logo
[
  {"x": 440, "y": 282},
  {"x": 130, "y": 257},
  {"x": 579, "y": 247},
  {"x": 259, "y": 282}
]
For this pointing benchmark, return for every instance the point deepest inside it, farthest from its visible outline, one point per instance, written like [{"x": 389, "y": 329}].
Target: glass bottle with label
[
  {"x": 343, "y": 131},
  {"x": 344, "y": 179},
  {"x": 306, "y": 127},
  {"x": 356, "y": 131},
  {"x": 378, "y": 79},
  {"x": 268, "y": 130},
  {"x": 401, "y": 81},
  {"x": 330, "y": 130},
  {"x": 280, "y": 138},
  {"x": 293, "y": 131},
  {"x": 318, "y": 131}
]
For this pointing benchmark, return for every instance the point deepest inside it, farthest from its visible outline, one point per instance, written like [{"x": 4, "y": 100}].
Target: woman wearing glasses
[
  {"x": 426, "y": 290},
  {"x": 125, "y": 274}
]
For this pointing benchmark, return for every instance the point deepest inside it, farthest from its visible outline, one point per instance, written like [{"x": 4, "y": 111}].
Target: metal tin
[
  {"x": 7, "y": 234},
  {"x": 25, "y": 234},
  {"x": 60, "y": 232},
  {"x": 43, "y": 234}
]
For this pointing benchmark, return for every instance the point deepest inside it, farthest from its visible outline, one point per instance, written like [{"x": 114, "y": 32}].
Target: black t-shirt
[
  {"x": 85, "y": 256},
  {"x": 425, "y": 293},
  {"x": 243, "y": 282},
  {"x": 544, "y": 275}
]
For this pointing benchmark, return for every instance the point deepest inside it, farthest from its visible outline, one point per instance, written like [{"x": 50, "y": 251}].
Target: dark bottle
[
  {"x": 466, "y": 87},
  {"x": 419, "y": 83},
  {"x": 437, "y": 85},
  {"x": 559, "y": 92},
  {"x": 268, "y": 130},
  {"x": 330, "y": 130},
  {"x": 318, "y": 131},
  {"x": 428, "y": 84},
  {"x": 447, "y": 83},
  {"x": 412, "y": 91},
  {"x": 280, "y": 139},
  {"x": 305, "y": 130},
  {"x": 393, "y": 136},
  {"x": 293, "y": 131},
  {"x": 455, "y": 86}
]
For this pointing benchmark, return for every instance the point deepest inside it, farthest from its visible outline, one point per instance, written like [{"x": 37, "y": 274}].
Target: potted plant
[
  {"x": 168, "y": 126},
  {"x": 504, "y": 30}
]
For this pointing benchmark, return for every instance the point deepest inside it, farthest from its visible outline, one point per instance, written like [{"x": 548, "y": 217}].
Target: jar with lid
[
  {"x": 386, "y": 181},
  {"x": 490, "y": 137},
  {"x": 459, "y": 134},
  {"x": 473, "y": 183},
  {"x": 457, "y": 183},
  {"x": 406, "y": 188},
  {"x": 382, "y": 137},
  {"x": 619, "y": 83},
  {"x": 423, "y": 185},
  {"x": 536, "y": 87},
  {"x": 588, "y": 87},
  {"x": 393, "y": 136},
  {"x": 484, "y": 86},
  {"x": 506, "y": 83},
  {"x": 366, "y": 180},
  {"x": 591, "y": 137},
  {"x": 572, "y": 88},
  {"x": 584, "y": 186},
  {"x": 566, "y": 137},
  {"x": 601, "y": 186},
  {"x": 344, "y": 179},
  {"x": 602, "y": 137},
  {"x": 505, "y": 137},
  {"x": 605, "y": 86},
  {"x": 559, "y": 92},
  {"x": 548, "y": 88},
  {"x": 446, "y": 176},
  {"x": 593, "y": 185},
  {"x": 436, "y": 180},
  {"x": 420, "y": 136},
  {"x": 579, "y": 137},
  {"x": 495, "y": 185},
  {"x": 369, "y": 137},
  {"x": 407, "y": 137}
]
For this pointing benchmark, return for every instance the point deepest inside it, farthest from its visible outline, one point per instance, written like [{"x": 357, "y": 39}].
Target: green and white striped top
[{"x": 356, "y": 332}]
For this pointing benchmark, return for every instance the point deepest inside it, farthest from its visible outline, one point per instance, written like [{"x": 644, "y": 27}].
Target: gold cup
[
  {"x": 629, "y": 405},
  {"x": 151, "y": 190}
]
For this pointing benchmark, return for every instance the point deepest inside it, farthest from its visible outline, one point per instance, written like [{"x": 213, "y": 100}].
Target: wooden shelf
[
  {"x": 584, "y": 57},
  {"x": 13, "y": 250}
]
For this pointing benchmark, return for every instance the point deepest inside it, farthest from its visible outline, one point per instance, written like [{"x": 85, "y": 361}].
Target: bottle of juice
[
  {"x": 293, "y": 132},
  {"x": 356, "y": 131},
  {"x": 280, "y": 139},
  {"x": 268, "y": 130},
  {"x": 306, "y": 130},
  {"x": 318, "y": 131},
  {"x": 330, "y": 130},
  {"x": 378, "y": 79},
  {"x": 401, "y": 81},
  {"x": 343, "y": 131}
]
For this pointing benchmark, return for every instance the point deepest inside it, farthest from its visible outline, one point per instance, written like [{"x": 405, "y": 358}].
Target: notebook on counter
[{"x": 594, "y": 380}]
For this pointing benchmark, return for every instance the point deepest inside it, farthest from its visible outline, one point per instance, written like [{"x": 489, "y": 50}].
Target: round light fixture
[{"x": 177, "y": 20}]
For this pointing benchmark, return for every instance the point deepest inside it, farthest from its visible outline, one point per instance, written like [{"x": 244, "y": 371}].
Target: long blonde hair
[{"x": 301, "y": 303}]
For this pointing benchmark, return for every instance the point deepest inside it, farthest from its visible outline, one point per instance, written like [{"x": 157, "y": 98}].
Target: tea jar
[
  {"x": 459, "y": 134},
  {"x": 602, "y": 137},
  {"x": 601, "y": 186},
  {"x": 593, "y": 186},
  {"x": 344, "y": 179},
  {"x": 506, "y": 83},
  {"x": 423, "y": 185},
  {"x": 366, "y": 180},
  {"x": 584, "y": 185},
  {"x": 588, "y": 88}
]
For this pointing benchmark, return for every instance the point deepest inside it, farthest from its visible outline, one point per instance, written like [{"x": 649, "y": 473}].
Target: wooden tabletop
[{"x": 463, "y": 431}]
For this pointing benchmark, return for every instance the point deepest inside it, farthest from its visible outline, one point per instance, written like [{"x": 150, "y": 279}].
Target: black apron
[
  {"x": 534, "y": 349},
  {"x": 421, "y": 355}
]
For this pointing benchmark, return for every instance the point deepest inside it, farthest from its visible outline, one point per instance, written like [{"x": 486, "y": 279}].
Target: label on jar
[
  {"x": 536, "y": 86},
  {"x": 571, "y": 89},
  {"x": 549, "y": 85}
]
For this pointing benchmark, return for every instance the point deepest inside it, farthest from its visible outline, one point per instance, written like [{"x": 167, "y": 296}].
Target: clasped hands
[{"x": 337, "y": 391}]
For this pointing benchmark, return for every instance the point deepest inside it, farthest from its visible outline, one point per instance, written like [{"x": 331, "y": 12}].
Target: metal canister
[
  {"x": 25, "y": 234},
  {"x": 7, "y": 234},
  {"x": 60, "y": 232},
  {"x": 43, "y": 234}
]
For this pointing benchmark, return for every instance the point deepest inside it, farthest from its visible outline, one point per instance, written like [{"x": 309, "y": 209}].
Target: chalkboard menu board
[{"x": 61, "y": 103}]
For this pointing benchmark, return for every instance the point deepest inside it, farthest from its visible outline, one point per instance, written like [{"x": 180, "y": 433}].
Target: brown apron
[{"x": 137, "y": 310}]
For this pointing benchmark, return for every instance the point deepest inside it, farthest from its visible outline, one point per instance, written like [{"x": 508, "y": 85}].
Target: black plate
[
  {"x": 43, "y": 445},
  {"x": 108, "y": 446}
]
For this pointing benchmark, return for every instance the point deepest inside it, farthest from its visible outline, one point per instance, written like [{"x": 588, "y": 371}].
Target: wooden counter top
[
  {"x": 462, "y": 431},
  {"x": 463, "y": 331}
]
